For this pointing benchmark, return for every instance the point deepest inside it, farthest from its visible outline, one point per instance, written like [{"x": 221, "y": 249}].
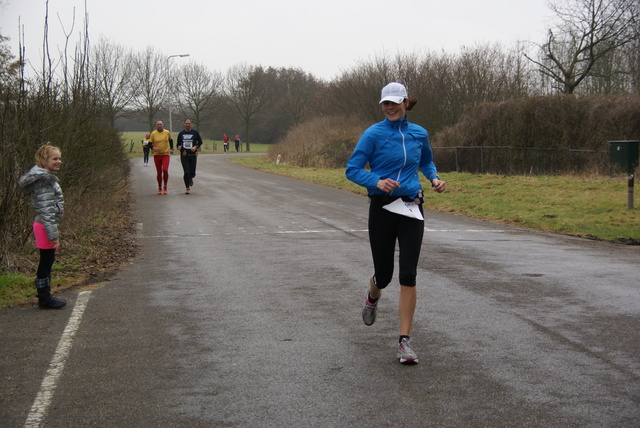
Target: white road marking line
[
  {"x": 49, "y": 383},
  {"x": 291, "y": 232},
  {"x": 466, "y": 230}
]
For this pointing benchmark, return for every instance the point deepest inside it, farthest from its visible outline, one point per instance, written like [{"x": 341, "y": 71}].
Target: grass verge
[
  {"x": 87, "y": 255},
  {"x": 591, "y": 207}
]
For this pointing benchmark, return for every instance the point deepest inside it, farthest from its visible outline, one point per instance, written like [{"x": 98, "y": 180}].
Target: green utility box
[{"x": 624, "y": 155}]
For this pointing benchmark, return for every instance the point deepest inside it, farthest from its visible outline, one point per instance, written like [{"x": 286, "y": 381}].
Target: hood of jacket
[{"x": 37, "y": 176}]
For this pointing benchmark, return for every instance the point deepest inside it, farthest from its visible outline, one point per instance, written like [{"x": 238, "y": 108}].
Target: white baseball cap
[{"x": 394, "y": 92}]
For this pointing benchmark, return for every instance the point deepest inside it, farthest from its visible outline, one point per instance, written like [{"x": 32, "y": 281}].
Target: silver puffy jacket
[{"x": 46, "y": 198}]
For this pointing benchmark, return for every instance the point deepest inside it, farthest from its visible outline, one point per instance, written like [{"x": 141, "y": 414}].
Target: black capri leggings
[
  {"x": 384, "y": 228},
  {"x": 47, "y": 257}
]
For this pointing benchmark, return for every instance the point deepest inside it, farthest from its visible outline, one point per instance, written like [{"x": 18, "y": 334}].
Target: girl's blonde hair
[{"x": 43, "y": 153}]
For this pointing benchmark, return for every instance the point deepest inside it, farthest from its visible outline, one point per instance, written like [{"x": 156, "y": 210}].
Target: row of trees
[
  {"x": 147, "y": 85},
  {"x": 594, "y": 47}
]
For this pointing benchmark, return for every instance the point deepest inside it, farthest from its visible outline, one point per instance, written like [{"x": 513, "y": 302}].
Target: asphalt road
[{"x": 242, "y": 309}]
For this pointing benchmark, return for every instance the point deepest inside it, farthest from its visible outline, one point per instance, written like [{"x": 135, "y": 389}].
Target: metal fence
[{"x": 509, "y": 160}]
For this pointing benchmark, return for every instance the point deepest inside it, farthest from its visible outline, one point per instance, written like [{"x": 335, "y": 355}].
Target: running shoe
[
  {"x": 369, "y": 311},
  {"x": 187, "y": 191},
  {"x": 165, "y": 191},
  {"x": 406, "y": 355},
  {"x": 159, "y": 191}
]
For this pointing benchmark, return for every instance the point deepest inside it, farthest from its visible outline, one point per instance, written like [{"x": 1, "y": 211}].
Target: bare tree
[
  {"x": 249, "y": 93},
  {"x": 13, "y": 152},
  {"x": 633, "y": 59},
  {"x": 438, "y": 105},
  {"x": 357, "y": 91},
  {"x": 618, "y": 71},
  {"x": 196, "y": 87},
  {"x": 446, "y": 85},
  {"x": 112, "y": 74},
  {"x": 299, "y": 88},
  {"x": 152, "y": 77},
  {"x": 587, "y": 31},
  {"x": 10, "y": 69},
  {"x": 292, "y": 99}
]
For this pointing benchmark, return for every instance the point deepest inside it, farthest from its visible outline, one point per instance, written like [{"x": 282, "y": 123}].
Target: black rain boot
[{"x": 45, "y": 299}]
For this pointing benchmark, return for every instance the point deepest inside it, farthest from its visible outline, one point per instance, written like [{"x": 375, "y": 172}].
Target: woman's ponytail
[{"x": 412, "y": 103}]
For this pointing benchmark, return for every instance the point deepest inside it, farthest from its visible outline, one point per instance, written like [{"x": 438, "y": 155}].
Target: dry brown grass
[{"x": 325, "y": 142}]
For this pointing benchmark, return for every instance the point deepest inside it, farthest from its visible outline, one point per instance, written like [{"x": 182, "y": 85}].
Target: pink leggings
[{"x": 162, "y": 169}]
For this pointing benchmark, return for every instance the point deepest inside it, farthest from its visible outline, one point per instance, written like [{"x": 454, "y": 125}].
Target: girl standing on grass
[
  {"x": 395, "y": 151},
  {"x": 41, "y": 184}
]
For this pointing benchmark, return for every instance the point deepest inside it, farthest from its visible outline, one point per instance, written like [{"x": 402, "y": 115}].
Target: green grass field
[
  {"x": 133, "y": 144},
  {"x": 594, "y": 207}
]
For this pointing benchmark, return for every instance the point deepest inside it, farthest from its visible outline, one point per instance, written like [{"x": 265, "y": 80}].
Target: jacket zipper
[{"x": 404, "y": 149}]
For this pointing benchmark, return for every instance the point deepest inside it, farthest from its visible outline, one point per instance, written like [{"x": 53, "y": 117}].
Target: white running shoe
[{"x": 406, "y": 355}]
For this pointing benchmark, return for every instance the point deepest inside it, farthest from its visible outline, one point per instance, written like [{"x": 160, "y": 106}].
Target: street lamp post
[{"x": 170, "y": 122}]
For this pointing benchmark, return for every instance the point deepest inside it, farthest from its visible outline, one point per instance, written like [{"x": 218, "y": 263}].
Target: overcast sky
[{"x": 324, "y": 38}]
